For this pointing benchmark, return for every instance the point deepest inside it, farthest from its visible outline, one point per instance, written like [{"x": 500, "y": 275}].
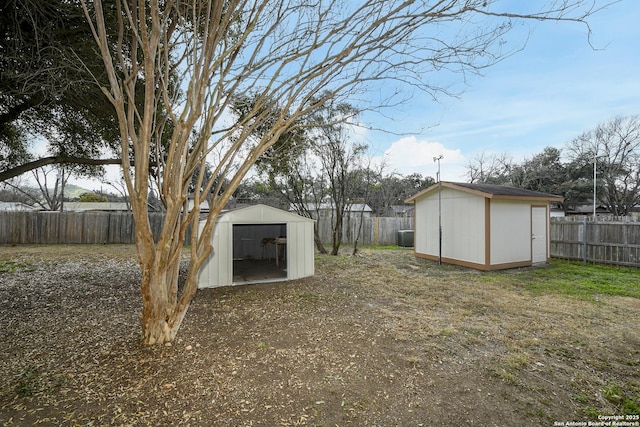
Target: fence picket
[{"x": 603, "y": 240}]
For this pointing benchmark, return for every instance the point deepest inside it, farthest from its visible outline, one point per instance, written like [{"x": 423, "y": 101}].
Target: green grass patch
[
  {"x": 625, "y": 397},
  {"x": 574, "y": 279},
  {"x": 385, "y": 247},
  {"x": 9, "y": 266},
  {"x": 29, "y": 382}
]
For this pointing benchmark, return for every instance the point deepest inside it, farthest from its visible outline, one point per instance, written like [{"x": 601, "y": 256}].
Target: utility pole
[
  {"x": 595, "y": 159},
  {"x": 437, "y": 159}
]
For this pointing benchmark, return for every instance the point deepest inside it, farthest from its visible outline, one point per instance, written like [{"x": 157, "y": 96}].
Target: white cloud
[{"x": 411, "y": 155}]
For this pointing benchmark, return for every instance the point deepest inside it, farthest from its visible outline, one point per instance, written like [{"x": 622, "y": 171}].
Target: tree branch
[{"x": 19, "y": 170}]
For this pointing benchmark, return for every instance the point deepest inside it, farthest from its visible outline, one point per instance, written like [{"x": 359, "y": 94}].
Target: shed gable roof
[
  {"x": 261, "y": 214},
  {"x": 490, "y": 191}
]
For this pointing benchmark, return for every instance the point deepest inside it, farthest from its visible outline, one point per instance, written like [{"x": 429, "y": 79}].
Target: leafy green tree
[
  {"x": 48, "y": 68},
  {"x": 51, "y": 90},
  {"x": 93, "y": 197},
  {"x": 547, "y": 173}
]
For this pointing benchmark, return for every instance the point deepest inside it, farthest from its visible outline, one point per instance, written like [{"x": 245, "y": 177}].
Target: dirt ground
[{"x": 380, "y": 339}]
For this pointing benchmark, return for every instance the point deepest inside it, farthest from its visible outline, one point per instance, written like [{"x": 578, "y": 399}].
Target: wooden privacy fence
[
  {"x": 603, "y": 240},
  {"x": 118, "y": 228},
  {"x": 71, "y": 227},
  {"x": 374, "y": 230}
]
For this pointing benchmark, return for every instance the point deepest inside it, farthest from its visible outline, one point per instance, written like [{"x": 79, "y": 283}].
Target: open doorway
[{"x": 259, "y": 253}]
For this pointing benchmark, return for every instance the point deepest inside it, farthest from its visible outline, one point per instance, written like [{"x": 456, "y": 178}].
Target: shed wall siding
[
  {"x": 426, "y": 226},
  {"x": 510, "y": 231},
  {"x": 463, "y": 231},
  {"x": 300, "y": 250},
  {"x": 218, "y": 269}
]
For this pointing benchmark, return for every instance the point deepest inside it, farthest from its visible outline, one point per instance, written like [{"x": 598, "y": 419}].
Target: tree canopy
[{"x": 50, "y": 89}]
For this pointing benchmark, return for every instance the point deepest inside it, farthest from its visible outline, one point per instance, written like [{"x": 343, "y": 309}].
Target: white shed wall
[
  {"x": 463, "y": 229},
  {"x": 426, "y": 226},
  {"x": 463, "y": 217},
  {"x": 218, "y": 269},
  {"x": 510, "y": 231},
  {"x": 300, "y": 249}
]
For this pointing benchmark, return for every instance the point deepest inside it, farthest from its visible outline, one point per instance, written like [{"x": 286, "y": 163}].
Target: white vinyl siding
[
  {"x": 510, "y": 231},
  {"x": 463, "y": 226},
  {"x": 463, "y": 236}
]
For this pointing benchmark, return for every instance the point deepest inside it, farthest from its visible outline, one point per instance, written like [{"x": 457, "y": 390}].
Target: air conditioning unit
[{"x": 405, "y": 238}]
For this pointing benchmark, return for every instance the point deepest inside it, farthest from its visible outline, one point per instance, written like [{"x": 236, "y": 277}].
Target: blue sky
[{"x": 552, "y": 91}]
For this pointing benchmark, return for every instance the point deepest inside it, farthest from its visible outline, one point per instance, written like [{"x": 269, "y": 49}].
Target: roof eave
[
  {"x": 530, "y": 198},
  {"x": 550, "y": 198},
  {"x": 420, "y": 194}
]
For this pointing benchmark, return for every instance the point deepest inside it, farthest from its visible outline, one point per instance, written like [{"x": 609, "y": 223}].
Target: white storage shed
[
  {"x": 259, "y": 244},
  {"x": 484, "y": 226}
]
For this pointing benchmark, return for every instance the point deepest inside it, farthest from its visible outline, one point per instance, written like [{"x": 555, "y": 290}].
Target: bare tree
[
  {"x": 303, "y": 54},
  {"x": 490, "y": 168},
  {"x": 341, "y": 165},
  {"x": 16, "y": 190},
  {"x": 299, "y": 184},
  {"x": 614, "y": 148},
  {"x": 121, "y": 190},
  {"x": 49, "y": 194},
  {"x": 368, "y": 178},
  {"x": 340, "y": 162}
]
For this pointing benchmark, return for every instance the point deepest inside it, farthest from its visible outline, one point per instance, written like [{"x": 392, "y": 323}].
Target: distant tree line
[{"x": 612, "y": 149}]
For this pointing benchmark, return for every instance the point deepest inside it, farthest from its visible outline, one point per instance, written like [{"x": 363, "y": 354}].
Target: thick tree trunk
[
  {"x": 155, "y": 325},
  {"x": 156, "y": 311},
  {"x": 162, "y": 311},
  {"x": 164, "y": 306}
]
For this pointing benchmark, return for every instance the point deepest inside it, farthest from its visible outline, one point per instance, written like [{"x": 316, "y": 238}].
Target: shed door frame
[
  {"x": 259, "y": 252},
  {"x": 539, "y": 234}
]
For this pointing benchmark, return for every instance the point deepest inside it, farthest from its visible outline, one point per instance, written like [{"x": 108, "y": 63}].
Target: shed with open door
[
  {"x": 483, "y": 226},
  {"x": 259, "y": 244}
]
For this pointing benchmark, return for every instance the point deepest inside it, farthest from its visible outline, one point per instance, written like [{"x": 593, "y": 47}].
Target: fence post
[
  {"x": 584, "y": 239},
  {"x": 375, "y": 232}
]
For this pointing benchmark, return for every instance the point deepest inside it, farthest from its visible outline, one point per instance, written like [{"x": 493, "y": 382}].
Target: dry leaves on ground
[{"x": 376, "y": 339}]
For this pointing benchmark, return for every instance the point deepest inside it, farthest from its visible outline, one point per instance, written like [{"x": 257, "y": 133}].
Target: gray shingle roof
[
  {"x": 501, "y": 190},
  {"x": 490, "y": 191}
]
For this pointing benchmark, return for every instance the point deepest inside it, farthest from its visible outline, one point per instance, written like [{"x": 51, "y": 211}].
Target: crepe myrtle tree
[{"x": 302, "y": 55}]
